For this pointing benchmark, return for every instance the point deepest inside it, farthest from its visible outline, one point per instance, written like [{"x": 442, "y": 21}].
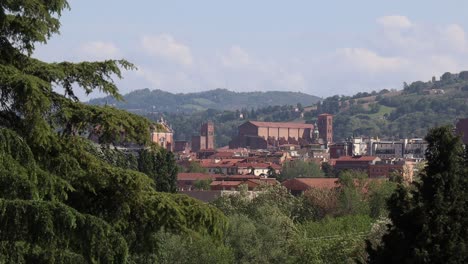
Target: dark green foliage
[
  {"x": 49, "y": 228},
  {"x": 353, "y": 192},
  {"x": 202, "y": 184},
  {"x": 160, "y": 166},
  {"x": 21, "y": 177},
  {"x": 332, "y": 240},
  {"x": 180, "y": 249},
  {"x": 271, "y": 173},
  {"x": 430, "y": 217},
  {"x": 300, "y": 169},
  {"x": 64, "y": 199},
  {"x": 196, "y": 167},
  {"x": 274, "y": 228},
  {"x": 328, "y": 170}
]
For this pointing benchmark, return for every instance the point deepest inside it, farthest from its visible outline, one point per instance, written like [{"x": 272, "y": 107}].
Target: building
[
  {"x": 405, "y": 148},
  {"x": 234, "y": 182},
  {"x": 225, "y": 166},
  {"x": 415, "y": 148},
  {"x": 337, "y": 150},
  {"x": 257, "y": 168},
  {"x": 384, "y": 169},
  {"x": 355, "y": 162},
  {"x": 164, "y": 137},
  {"x": 182, "y": 146},
  {"x": 187, "y": 180},
  {"x": 206, "y": 138},
  {"x": 260, "y": 135},
  {"x": 207, "y": 131},
  {"x": 387, "y": 149},
  {"x": 325, "y": 127},
  {"x": 462, "y": 129},
  {"x": 233, "y": 166}
]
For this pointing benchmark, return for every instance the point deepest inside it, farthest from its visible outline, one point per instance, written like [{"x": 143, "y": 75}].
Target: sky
[{"x": 321, "y": 48}]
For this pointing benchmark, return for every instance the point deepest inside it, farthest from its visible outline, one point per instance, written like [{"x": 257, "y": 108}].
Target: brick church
[{"x": 261, "y": 135}]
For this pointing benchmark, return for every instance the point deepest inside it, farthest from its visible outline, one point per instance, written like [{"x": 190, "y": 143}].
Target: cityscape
[{"x": 225, "y": 132}]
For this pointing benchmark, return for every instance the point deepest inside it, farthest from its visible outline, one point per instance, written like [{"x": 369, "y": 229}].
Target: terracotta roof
[
  {"x": 238, "y": 177},
  {"x": 258, "y": 165},
  {"x": 192, "y": 176},
  {"x": 356, "y": 158},
  {"x": 303, "y": 184},
  {"x": 281, "y": 124},
  {"x": 228, "y": 163}
]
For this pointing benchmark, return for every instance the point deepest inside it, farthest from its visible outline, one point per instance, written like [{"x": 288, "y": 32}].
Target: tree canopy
[{"x": 63, "y": 199}]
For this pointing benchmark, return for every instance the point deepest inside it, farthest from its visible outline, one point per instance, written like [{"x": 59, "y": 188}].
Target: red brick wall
[
  {"x": 207, "y": 131},
  {"x": 248, "y": 129},
  {"x": 325, "y": 127}
]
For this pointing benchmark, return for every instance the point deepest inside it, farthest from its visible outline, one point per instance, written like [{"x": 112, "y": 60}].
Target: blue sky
[{"x": 318, "y": 47}]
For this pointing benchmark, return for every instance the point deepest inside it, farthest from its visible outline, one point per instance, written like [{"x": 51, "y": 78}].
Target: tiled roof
[
  {"x": 238, "y": 177},
  {"x": 258, "y": 165},
  {"x": 356, "y": 158},
  {"x": 228, "y": 163},
  {"x": 281, "y": 125}
]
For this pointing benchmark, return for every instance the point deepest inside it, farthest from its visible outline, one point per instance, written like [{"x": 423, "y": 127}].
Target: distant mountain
[{"x": 144, "y": 101}]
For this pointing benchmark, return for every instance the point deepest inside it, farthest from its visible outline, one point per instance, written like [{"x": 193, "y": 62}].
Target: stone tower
[
  {"x": 207, "y": 131},
  {"x": 325, "y": 127}
]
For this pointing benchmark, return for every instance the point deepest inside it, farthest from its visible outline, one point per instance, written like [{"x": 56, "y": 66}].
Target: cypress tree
[{"x": 430, "y": 217}]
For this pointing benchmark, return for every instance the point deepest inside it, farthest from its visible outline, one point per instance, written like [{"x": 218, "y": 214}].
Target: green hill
[
  {"x": 406, "y": 113},
  {"x": 400, "y": 114},
  {"x": 145, "y": 101}
]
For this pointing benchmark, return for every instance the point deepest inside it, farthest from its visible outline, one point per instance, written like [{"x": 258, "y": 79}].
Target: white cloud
[
  {"x": 165, "y": 46},
  {"x": 99, "y": 50},
  {"x": 399, "y": 50},
  {"x": 394, "y": 21},
  {"x": 236, "y": 57},
  {"x": 454, "y": 37},
  {"x": 367, "y": 60}
]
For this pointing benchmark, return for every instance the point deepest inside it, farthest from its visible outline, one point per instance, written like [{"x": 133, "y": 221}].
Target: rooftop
[
  {"x": 281, "y": 124},
  {"x": 357, "y": 158}
]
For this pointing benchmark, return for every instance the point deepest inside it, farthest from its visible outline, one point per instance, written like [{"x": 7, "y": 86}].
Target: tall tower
[
  {"x": 325, "y": 126},
  {"x": 207, "y": 131}
]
